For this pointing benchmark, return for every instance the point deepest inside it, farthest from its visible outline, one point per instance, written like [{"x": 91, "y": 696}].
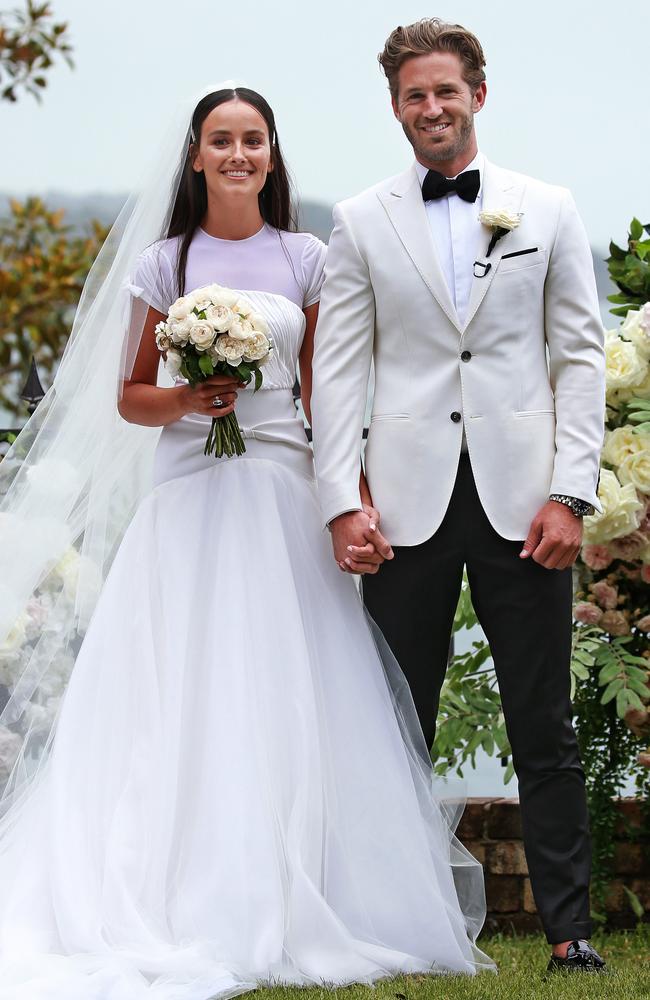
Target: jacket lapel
[
  {"x": 501, "y": 190},
  {"x": 407, "y": 213}
]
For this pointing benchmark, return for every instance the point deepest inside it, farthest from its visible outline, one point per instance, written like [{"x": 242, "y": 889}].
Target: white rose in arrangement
[
  {"x": 623, "y": 442},
  {"x": 202, "y": 334},
  {"x": 256, "y": 347},
  {"x": 635, "y": 469},
  {"x": 259, "y": 324},
  {"x": 624, "y": 365},
  {"x": 163, "y": 340},
  {"x": 220, "y": 317},
  {"x": 500, "y": 219},
  {"x": 67, "y": 569},
  {"x": 243, "y": 307},
  {"x": 642, "y": 389},
  {"x": 17, "y": 635},
  {"x": 622, "y": 511},
  {"x": 220, "y": 296},
  {"x": 173, "y": 362},
  {"x": 241, "y": 329},
  {"x": 230, "y": 349},
  {"x": 636, "y": 328},
  {"x": 180, "y": 331},
  {"x": 182, "y": 307}
]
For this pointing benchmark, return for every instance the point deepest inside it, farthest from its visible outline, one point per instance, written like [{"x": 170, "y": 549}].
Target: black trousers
[{"x": 525, "y": 612}]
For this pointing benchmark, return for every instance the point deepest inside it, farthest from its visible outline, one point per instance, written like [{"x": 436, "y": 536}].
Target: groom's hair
[{"x": 432, "y": 35}]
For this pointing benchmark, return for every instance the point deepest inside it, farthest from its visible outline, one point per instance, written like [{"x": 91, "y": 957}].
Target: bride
[{"x": 230, "y": 787}]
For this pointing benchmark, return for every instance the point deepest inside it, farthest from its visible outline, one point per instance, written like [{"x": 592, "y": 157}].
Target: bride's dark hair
[{"x": 276, "y": 197}]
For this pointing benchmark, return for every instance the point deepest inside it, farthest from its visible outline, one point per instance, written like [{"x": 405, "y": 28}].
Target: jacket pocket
[
  {"x": 389, "y": 416},
  {"x": 519, "y": 260},
  {"x": 534, "y": 413}
]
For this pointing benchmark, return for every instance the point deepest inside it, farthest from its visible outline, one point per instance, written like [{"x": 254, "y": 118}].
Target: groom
[{"x": 471, "y": 288}]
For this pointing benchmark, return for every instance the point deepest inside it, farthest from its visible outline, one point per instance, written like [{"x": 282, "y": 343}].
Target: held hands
[
  {"x": 200, "y": 398},
  {"x": 554, "y": 538},
  {"x": 359, "y": 546}
]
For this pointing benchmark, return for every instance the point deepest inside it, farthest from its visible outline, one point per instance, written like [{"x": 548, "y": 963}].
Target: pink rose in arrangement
[
  {"x": 643, "y": 624},
  {"x": 605, "y": 594},
  {"x": 596, "y": 557},
  {"x": 615, "y": 623},
  {"x": 587, "y": 613},
  {"x": 644, "y": 759},
  {"x": 629, "y": 547}
]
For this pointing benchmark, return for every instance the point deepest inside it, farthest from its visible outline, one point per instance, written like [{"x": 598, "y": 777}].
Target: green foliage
[
  {"x": 42, "y": 271},
  {"x": 637, "y": 411},
  {"x": 29, "y": 42},
  {"x": 630, "y": 270}
]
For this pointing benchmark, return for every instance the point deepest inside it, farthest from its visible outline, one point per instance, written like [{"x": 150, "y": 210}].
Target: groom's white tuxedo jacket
[{"x": 531, "y": 396}]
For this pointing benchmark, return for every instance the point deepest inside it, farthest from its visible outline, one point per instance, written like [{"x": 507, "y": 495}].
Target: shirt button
[
  {"x": 466, "y": 355},
  {"x": 456, "y": 416}
]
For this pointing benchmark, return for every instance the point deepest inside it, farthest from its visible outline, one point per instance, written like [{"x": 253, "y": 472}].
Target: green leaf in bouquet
[
  {"x": 636, "y": 229},
  {"x": 622, "y": 310},
  {"x": 259, "y": 378},
  {"x": 618, "y": 297},
  {"x": 244, "y": 372},
  {"x": 205, "y": 364},
  {"x": 639, "y": 402},
  {"x": 509, "y": 773}
]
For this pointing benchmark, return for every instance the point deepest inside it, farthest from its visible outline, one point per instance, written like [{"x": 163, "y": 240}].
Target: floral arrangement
[{"x": 215, "y": 330}]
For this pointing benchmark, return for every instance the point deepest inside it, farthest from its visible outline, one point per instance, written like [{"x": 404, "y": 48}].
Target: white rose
[
  {"x": 173, "y": 362},
  {"x": 623, "y": 442},
  {"x": 501, "y": 219},
  {"x": 636, "y": 328},
  {"x": 635, "y": 469},
  {"x": 163, "y": 340},
  {"x": 220, "y": 296},
  {"x": 67, "y": 569},
  {"x": 617, "y": 396},
  {"x": 202, "y": 334},
  {"x": 243, "y": 307},
  {"x": 181, "y": 308},
  {"x": 229, "y": 349},
  {"x": 259, "y": 324},
  {"x": 241, "y": 329},
  {"x": 220, "y": 317},
  {"x": 17, "y": 635},
  {"x": 256, "y": 347},
  {"x": 622, "y": 511},
  {"x": 625, "y": 366},
  {"x": 180, "y": 331}
]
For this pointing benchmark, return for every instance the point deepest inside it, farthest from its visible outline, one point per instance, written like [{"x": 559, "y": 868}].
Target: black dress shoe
[{"x": 580, "y": 957}]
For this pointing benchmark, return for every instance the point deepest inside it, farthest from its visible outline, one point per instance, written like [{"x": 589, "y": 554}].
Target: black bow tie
[{"x": 466, "y": 185}]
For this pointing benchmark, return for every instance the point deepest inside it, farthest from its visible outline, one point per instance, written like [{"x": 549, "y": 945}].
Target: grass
[{"x": 522, "y": 962}]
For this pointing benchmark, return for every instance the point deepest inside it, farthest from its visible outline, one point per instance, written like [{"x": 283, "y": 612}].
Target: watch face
[{"x": 582, "y": 508}]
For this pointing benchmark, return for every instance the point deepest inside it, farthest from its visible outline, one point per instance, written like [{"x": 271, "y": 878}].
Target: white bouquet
[{"x": 215, "y": 331}]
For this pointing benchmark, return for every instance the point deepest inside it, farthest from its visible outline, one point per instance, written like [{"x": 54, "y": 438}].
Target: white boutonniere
[{"x": 501, "y": 223}]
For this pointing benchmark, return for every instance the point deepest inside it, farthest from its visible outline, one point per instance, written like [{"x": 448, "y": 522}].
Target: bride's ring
[{"x": 217, "y": 401}]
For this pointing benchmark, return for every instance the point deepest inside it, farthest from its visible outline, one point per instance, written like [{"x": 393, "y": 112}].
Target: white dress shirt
[{"x": 457, "y": 235}]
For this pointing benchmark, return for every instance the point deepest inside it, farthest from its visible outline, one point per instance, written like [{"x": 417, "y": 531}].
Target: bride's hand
[{"x": 215, "y": 397}]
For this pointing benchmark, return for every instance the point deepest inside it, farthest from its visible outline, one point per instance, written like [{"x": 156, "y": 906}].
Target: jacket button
[
  {"x": 456, "y": 416},
  {"x": 466, "y": 356}
]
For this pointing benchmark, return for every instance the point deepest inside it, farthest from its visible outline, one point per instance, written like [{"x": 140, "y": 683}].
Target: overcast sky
[{"x": 568, "y": 94}]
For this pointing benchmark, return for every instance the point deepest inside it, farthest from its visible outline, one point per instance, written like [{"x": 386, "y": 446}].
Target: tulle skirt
[{"x": 237, "y": 790}]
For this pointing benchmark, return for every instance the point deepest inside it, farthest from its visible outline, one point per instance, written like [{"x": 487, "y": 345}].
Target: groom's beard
[{"x": 456, "y": 140}]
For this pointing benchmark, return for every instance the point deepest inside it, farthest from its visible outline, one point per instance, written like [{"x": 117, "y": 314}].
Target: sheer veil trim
[{"x": 75, "y": 475}]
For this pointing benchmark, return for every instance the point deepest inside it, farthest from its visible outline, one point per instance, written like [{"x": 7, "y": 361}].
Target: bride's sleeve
[
  {"x": 152, "y": 278},
  {"x": 313, "y": 270}
]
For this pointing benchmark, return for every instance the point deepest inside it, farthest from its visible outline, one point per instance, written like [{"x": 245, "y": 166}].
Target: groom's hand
[
  {"x": 554, "y": 538},
  {"x": 359, "y": 546}
]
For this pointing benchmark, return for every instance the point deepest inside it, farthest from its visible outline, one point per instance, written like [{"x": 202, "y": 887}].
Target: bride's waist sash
[{"x": 270, "y": 425}]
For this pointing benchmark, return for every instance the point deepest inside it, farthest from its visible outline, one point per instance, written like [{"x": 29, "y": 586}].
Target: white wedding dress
[{"x": 236, "y": 793}]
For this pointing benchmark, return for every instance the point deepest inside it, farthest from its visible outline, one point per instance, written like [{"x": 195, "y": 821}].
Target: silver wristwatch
[{"x": 578, "y": 507}]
